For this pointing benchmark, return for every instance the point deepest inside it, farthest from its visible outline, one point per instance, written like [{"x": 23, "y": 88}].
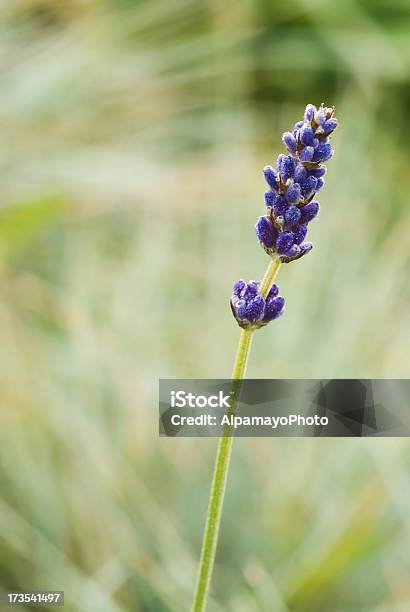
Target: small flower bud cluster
[
  {"x": 299, "y": 175},
  {"x": 250, "y": 309}
]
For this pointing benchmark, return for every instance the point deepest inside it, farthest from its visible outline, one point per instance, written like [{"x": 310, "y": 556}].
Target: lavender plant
[{"x": 282, "y": 232}]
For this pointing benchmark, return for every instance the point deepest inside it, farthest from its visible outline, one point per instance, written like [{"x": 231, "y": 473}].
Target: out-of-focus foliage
[{"x": 133, "y": 137}]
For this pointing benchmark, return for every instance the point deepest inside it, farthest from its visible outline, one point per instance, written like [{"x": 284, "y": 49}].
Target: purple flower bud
[
  {"x": 310, "y": 112},
  {"x": 279, "y": 205},
  {"x": 309, "y": 212},
  {"x": 284, "y": 243},
  {"x": 306, "y": 155},
  {"x": 293, "y": 183},
  {"x": 292, "y": 216},
  {"x": 300, "y": 173},
  {"x": 307, "y": 136},
  {"x": 249, "y": 307},
  {"x": 269, "y": 198},
  {"x": 294, "y": 250},
  {"x": 280, "y": 162},
  {"x": 309, "y": 186},
  {"x": 270, "y": 177},
  {"x": 250, "y": 291},
  {"x": 318, "y": 172},
  {"x": 273, "y": 292},
  {"x": 265, "y": 232},
  {"x": 255, "y": 308},
  {"x": 293, "y": 193},
  {"x": 240, "y": 308},
  {"x": 306, "y": 247},
  {"x": 289, "y": 141},
  {"x": 299, "y": 233},
  {"x": 330, "y": 125},
  {"x": 239, "y": 287},
  {"x": 320, "y": 183},
  {"x": 296, "y": 127},
  {"x": 273, "y": 309},
  {"x": 320, "y": 116},
  {"x": 323, "y": 152},
  {"x": 286, "y": 166}
]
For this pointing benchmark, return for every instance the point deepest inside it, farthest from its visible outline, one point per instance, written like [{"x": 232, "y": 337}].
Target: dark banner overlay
[{"x": 289, "y": 407}]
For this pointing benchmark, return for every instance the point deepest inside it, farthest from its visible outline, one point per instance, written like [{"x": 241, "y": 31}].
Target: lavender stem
[{"x": 223, "y": 456}]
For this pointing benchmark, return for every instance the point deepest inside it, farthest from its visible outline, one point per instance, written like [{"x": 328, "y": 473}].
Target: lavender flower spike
[
  {"x": 250, "y": 309},
  {"x": 293, "y": 185},
  {"x": 289, "y": 208}
]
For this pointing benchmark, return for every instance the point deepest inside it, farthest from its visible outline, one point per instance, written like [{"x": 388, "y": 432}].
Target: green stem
[
  {"x": 223, "y": 456},
  {"x": 269, "y": 277}
]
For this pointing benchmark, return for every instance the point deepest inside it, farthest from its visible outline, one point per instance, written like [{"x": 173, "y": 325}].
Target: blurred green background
[{"x": 133, "y": 138}]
